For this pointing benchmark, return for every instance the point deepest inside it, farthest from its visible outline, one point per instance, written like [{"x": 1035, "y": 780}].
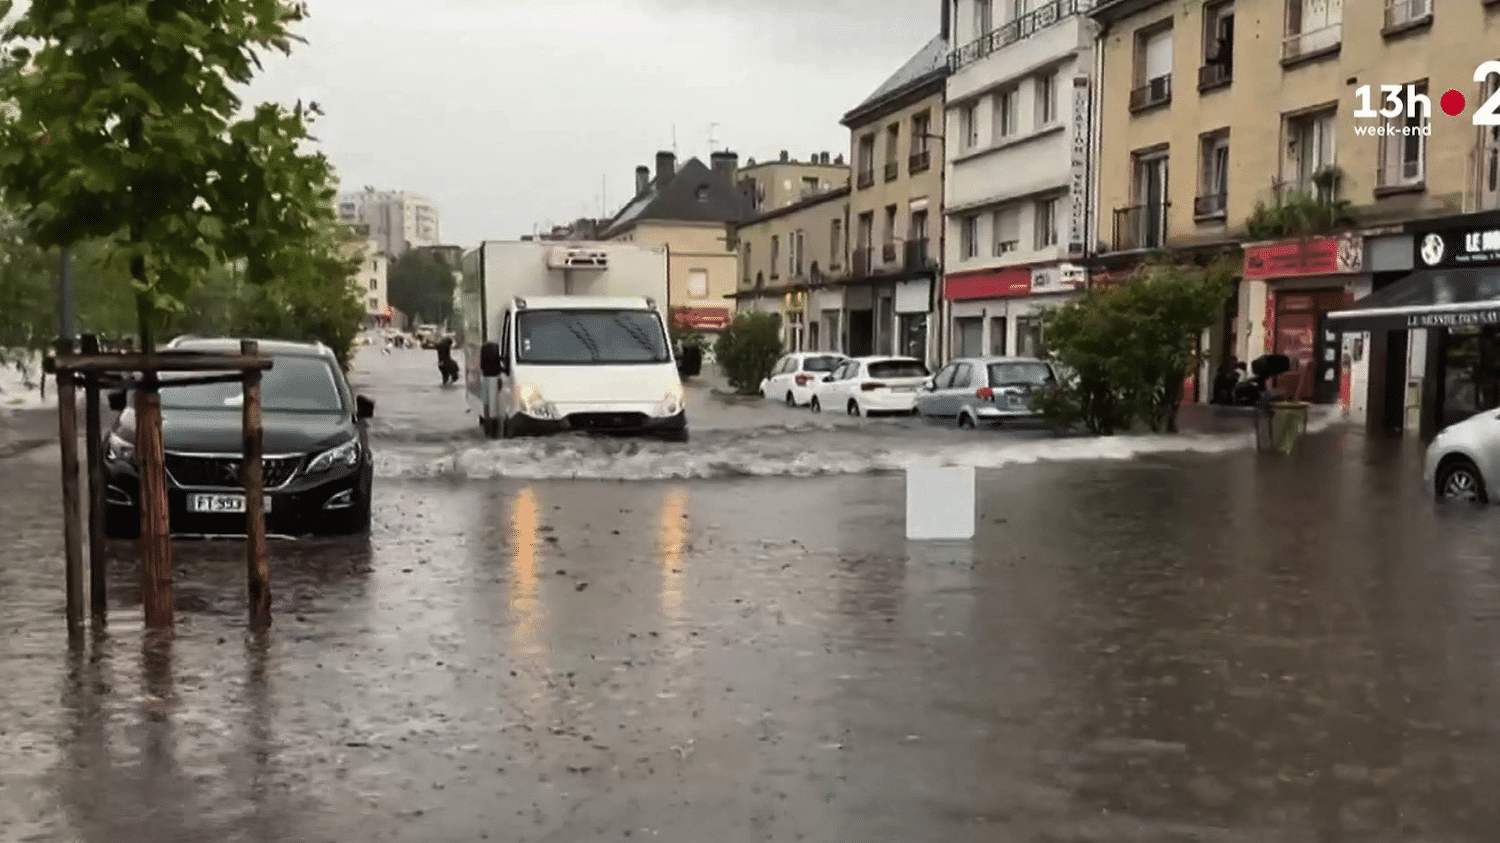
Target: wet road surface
[{"x": 1146, "y": 645}]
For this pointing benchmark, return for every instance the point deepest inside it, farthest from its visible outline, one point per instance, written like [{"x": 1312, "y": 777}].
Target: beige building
[
  {"x": 1208, "y": 109},
  {"x": 370, "y": 276},
  {"x": 888, "y": 294},
  {"x": 789, "y": 257},
  {"x": 691, "y": 210},
  {"x": 400, "y": 220},
  {"x": 770, "y": 185}
]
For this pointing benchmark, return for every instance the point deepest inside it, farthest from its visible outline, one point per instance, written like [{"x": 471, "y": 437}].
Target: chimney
[
  {"x": 946, "y": 27},
  {"x": 839, "y": 160},
  {"x": 642, "y": 179},
  {"x": 666, "y": 166},
  {"x": 726, "y": 164},
  {"x": 785, "y": 156}
]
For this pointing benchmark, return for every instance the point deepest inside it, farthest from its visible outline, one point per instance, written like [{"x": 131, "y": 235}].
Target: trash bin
[{"x": 1288, "y": 423}]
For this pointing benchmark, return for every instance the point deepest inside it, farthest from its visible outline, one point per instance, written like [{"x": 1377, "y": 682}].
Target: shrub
[{"x": 748, "y": 349}]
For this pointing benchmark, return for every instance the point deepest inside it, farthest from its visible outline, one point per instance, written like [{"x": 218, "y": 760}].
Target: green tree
[
  {"x": 1130, "y": 347},
  {"x": 420, "y": 285},
  {"x": 747, "y": 350}
]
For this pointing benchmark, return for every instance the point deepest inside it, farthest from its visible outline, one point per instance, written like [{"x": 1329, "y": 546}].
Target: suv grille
[
  {"x": 224, "y": 472},
  {"x": 606, "y": 421}
]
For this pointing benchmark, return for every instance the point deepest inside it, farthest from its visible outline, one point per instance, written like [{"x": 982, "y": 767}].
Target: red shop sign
[
  {"x": 988, "y": 283},
  {"x": 1302, "y": 257},
  {"x": 701, "y": 318}
]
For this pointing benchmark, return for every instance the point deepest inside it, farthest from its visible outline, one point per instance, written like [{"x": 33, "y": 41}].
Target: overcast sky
[{"x": 514, "y": 113}]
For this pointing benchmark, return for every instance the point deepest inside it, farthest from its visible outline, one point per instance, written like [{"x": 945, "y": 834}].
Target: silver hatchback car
[
  {"x": 986, "y": 391},
  {"x": 1463, "y": 461}
]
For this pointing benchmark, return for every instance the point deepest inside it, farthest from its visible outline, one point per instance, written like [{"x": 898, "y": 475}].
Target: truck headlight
[
  {"x": 118, "y": 449},
  {"x": 671, "y": 403},
  {"x": 346, "y": 455},
  {"x": 534, "y": 405}
]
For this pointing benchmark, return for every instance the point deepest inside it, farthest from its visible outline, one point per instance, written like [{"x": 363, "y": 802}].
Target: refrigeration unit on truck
[{"x": 569, "y": 336}]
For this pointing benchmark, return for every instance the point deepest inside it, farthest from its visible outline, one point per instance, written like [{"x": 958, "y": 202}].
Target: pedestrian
[{"x": 447, "y": 367}]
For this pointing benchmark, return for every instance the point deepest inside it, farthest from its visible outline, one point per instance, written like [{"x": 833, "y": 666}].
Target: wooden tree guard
[{"x": 155, "y": 545}]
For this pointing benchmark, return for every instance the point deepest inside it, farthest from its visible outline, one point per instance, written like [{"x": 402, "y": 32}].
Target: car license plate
[
  {"x": 903, "y": 389},
  {"x": 223, "y": 504}
]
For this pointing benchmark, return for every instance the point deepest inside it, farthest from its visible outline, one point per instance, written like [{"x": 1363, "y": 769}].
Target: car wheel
[
  {"x": 853, "y": 408},
  {"x": 1460, "y": 481},
  {"x": 791, "y": 400},
  {"x": 965, "y": 421},
  {"x": 815, "y": 405}
]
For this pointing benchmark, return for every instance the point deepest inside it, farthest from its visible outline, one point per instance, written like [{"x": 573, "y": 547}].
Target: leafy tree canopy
[{"x": 420, "y": 285}]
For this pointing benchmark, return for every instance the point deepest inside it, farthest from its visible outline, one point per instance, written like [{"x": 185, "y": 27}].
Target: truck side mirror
[
  {"x": 364, "y": 408},
  {"x": 117, "y": 400},
  {"x": 491, "y": 363}
]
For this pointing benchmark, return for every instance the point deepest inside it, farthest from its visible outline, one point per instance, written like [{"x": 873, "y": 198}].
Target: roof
[
  {"x": 840, "y": 192},
  {"x": 585, "y": 302},
  {"x": 285, "y": 348},
  {"x": 677, "y": 200},
  {"x": 928, "y": 65}
]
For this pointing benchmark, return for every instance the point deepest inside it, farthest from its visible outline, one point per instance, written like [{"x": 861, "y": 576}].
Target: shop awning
[{"x": 1427, "y": 298}]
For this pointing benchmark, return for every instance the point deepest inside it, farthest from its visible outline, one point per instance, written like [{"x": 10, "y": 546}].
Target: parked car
[
  {"x": 794, "y": 376},
  {"x": 318, "y": 471},
  {"x": 869, "y": 386},
  {"x": 986, "y": 391},
  {"x": 1464, "y": 458}
]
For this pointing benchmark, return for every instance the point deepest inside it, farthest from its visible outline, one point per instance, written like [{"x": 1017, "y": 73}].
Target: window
[
  {"x": 374, "y": 303},
  {"x": 1029, "y": 337},
  {"x": 890, "y": 224},
  {"x": 746, "y": 264},
  {"x": 292, "y": 384},
  {"x": 866, "y": 162},
  {"x": 997, "y": 336},
  {"x": 1218, "y": 46},
  {"x": 795, "y": 241},
  {"x": 866, "y": 229},
  {"x": 1153, "y": 68},
  {"x": 563, "y": 337},
  {"x": 968, "y": 237},
  {"x": 374, "y": 284},
  {"x": 984, "y": 17},
  {"x": 810, "y": 186},
  {"x": 1046, "y": 223},
  {"x": 1310, "y": 149},
  {"x": 697, "y": 283},
  {"x": 1403, "y": 148},
  {"x": 702, "y": 193},
  {"x": 944, "y": 378},
  {"x": 921, "y": 131},
  {"x": 1007, "y": 224},
  {"x": 836, "y": 244},
  {"x": 775, "y": 256},
  {"x": 1489, "y": 153},
  {"x": 892, "y": 142},
  {"x": 963, "y": 376},
  {"x": 968, "y": 126},
  {"x": 1007, "y": 113},
  {"x": 1312, "y": 27},
  {"x": 1046, "y": 100},
  {"x": 1213, "y": 175},
  {"x": 1144, "y": 224}
]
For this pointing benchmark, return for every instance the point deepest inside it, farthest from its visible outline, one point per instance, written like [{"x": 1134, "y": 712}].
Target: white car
[
  {"x": 794, "y": 376},
  {"x": 1464, "y": 459},
  {"x": 868, "y": 386}
]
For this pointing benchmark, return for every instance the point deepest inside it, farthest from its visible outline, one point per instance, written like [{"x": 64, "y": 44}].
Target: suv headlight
[
  {"x": 533, "y": 404},
  {"x": 346, "y": 455},
  {"x": 118, "y": 449},
  {"x": 671, "y": 403}
]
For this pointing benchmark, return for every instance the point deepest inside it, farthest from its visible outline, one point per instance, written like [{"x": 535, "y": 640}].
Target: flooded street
[{"x": 570, "y": 639}]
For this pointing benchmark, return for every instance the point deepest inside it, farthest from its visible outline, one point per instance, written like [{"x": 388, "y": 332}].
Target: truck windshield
[{"x": 588, "y": 337}]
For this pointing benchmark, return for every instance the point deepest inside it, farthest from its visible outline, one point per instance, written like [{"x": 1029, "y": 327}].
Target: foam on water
[{"x": 798, "y": 450}]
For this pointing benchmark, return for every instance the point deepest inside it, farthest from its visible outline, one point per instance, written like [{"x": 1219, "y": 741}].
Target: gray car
[{"x": 986, "y": 391}]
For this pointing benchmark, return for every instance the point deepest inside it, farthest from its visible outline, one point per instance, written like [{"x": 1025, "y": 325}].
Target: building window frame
[
  {"x": 1005, "y": 226},
  {"x": 968, "y": 126},
  {"x": 1401, "y": 158},
  {"x": 968, "y": 237},
  {"x": 1212, "y": 201},
  {"x": 1313, "y": 128},
  {"x": 1313, "y": 29},
  {"x": 1047, "y": 111},
  {"x": 1044, "y": 222},
  {"x": 1006, "y": 105}
]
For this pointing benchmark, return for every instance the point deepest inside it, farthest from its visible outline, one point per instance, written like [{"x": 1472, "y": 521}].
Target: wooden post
[
  {"x": 93, "y": 433},
  {"x": 67, "y": 433},
  {"x": 156, "y": 530},
  {"x": 259, "y": 577}
]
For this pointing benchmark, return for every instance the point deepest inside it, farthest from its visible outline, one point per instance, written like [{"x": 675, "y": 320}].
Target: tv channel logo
[{"x": 1405, "y": 110}]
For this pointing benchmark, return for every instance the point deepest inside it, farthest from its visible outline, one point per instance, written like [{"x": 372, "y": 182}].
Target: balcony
[
  {"x": 1141, "y": 227},
  {"x": 919, "y": 162},
  {"x": 888, "y": 251},
  {"x": 861, "y": 262},
  {"x": 1298, "y": 47},
  {"x": 919, "y": 255},
  {"x": 1403, "y": 16},
  {"x": 1215, "y": 75},
  {"x": 1210, "y": 206},
  {"x": 1155, "y": 93},
  {"x": 866, "y": 178},
  {"x": 1015, "y": 30},
  {"x": 892, "y": 170}
]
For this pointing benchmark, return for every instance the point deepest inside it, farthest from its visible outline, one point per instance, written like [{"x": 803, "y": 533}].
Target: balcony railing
[
  {"x": 1210, "y": 206},
  {"x": 1155, "y": 92},
  {"x": 1216, "y": 75},
  {"x": 861, "y": 262},
  {"x": 1141, "y": 227},
  {"x": 865, "y": 179},
  {"x": 1015, "y": 30},
  {"x": 1301, "y": 45},
  {"x": 919, "y": 162},
  {"x": 892, "y": 170},
  {"x": 919, "y": 255},
  {"x": 1404, "y": 14},
  {"x": 888, "y": 251}
]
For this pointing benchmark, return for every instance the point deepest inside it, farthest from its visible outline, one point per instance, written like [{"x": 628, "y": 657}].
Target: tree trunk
[{"x": 156, "y": 536}]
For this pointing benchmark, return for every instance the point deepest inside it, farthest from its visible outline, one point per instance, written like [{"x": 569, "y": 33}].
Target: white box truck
[{"x": 569, "y": 336}]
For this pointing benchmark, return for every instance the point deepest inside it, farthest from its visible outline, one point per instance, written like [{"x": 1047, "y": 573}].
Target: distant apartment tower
[
  {"x": 398, "y": 219},
  {"x": 772, "y": 185}
]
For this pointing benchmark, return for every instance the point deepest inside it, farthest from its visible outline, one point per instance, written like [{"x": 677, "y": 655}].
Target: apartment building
[
  {"x": 1260, "y": 107},
  {"x": 769, "y": 185},
  {"x": 400, "y": 220},
  {"x": 369, "y": 278},
  {"x": 1016, "y": 195},
  {"x": 692, "y": 211},
  {"x": 789, "y": 258},
  {"x": 887, "y": 295}
]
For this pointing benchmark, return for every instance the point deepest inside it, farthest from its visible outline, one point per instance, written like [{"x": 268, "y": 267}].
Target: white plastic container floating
[{"x": 940, "y": 502}]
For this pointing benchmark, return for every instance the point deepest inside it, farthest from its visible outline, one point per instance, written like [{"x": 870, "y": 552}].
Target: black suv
[{"x": 318, "y": 470}]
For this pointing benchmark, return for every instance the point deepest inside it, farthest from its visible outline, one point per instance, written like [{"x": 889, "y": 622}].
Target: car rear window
[
  {"x": 1020, "y": 374},
  {"x": 898, "y": 369},
  {"x": 821, "y": 364}
]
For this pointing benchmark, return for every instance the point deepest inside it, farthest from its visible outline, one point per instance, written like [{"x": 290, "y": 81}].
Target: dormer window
[{"x": 702, "y": 193}]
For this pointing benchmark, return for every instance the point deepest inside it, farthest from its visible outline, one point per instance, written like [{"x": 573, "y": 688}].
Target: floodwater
[{"x": 1148, "y": 641}]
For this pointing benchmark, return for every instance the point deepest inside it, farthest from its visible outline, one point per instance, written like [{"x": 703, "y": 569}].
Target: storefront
[
  {"x": 883, "y": 315},
  {"x": 1444, "y": 318},
  {"x": 999, "y": 311},
  {"x": 1293, "y": 285}
]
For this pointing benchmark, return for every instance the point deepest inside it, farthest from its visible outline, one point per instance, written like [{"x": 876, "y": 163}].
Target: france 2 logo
[{"x": 1405, "y": 101}]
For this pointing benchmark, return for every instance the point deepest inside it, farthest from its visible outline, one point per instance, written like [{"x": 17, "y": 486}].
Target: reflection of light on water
[
  {"x": 672, "y": 545},
  {"x": 525, "y": 518}
]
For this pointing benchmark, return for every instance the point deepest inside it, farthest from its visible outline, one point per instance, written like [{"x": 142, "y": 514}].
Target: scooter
[{"x": 1257, "y": 389}]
